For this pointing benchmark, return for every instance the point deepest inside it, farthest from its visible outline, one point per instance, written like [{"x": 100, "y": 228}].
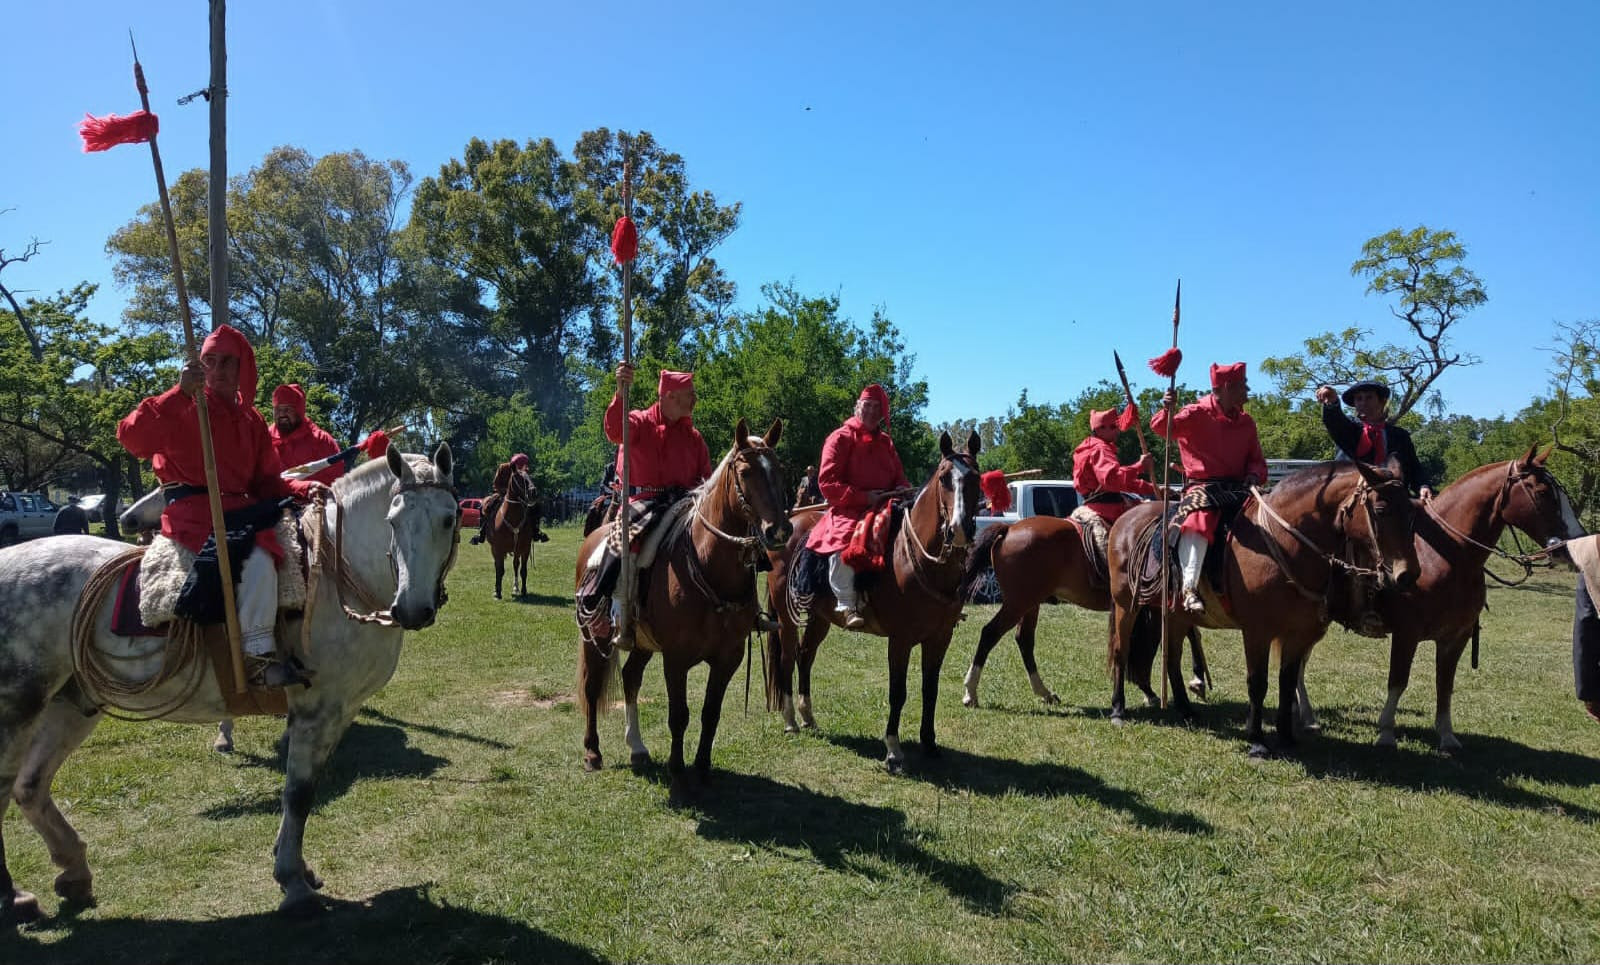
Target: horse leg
[
  {"x": 1174, "y": 671},
  {"x": 899, "y": 661},
  {"x": 711, "y": 711},
  {"x": 782, "y": 645},
  {"x": 1030, "y": 623},
  {"x": 933, "y": 652},
  {"x": 1289, "y": 663},
  {"x": 522, "y": 573},
  {"x": 1257, "y": 657},
  {"x": 632, "y": 678},
  {"x": 1119, "y": 640},
  {"x": 677, "y": 673},
  {"x": 62, "y": 727},
  {"x": 314, "y": 731},
  {"x": 594, "y": 675},
  {"x": 1201, "y": 681},
  {"x": 16, "y": 906},
  {"x": 1447, "y": 656},
  {"x": 816, "y": 630},
  {"x": 1402, "y": 650},
  {"x": 499, "y": 571},
  {"x": 224, "y": 740},
  {"x": 1003, "y": 620},
  {"x": 1302, "y": 701}
]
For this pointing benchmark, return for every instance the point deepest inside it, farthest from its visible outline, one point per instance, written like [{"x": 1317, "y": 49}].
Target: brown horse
[
  {"x": 1454, "y": 537},
  {"x": 697, "y": 602},
  {"x": 1280, "y": 565},
  {"x": 512, "y": 533},
  {"x": 916, "y": 600},
  {"x": 1041, "y": 560}
]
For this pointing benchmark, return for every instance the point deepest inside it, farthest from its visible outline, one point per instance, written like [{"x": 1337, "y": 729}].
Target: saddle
[
  {"x": 663, "y": 518},
  {"x": 1145, "y": 568}
]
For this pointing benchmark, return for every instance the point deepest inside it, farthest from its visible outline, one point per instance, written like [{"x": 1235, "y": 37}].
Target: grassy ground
[{"x": 455, "y": 823}]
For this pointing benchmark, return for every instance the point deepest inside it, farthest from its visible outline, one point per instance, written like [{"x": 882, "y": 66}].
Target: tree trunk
[{"x": 111, "y": 480}]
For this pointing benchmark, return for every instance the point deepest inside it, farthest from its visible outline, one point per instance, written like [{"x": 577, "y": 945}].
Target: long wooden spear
[
  {"x": 1127, "y": 392},
  {"x": 1174, "y": 356},
  {"x": 624, "y": 245}
]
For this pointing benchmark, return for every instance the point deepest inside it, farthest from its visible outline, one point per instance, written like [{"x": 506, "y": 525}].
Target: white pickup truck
[
  {"x": 1035, "y": 497},
  {"x": 25, "y": 516}
]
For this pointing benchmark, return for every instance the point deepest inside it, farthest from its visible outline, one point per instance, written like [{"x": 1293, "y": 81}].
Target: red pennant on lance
[
  {"x": 104, "y": 133},
  {"x": 1129, "y": 418},
  {"x": 1166, "y": 364},
  {"x": 993, "y": 484},
  {"x": 624, "y": 241}
]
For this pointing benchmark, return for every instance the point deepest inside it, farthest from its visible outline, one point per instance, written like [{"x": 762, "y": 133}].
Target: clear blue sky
[{"x": 1018, "y": 189}]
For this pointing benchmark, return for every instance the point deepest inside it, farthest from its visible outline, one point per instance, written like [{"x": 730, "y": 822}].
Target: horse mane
[
  {"x": 1312, "y": 477},
  {"x": 374, "y": 475},
  {"x": 704, "y": 489}
]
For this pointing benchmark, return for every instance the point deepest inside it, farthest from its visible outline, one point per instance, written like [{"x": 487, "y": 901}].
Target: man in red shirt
[
  {"x": 667, "y": 457},
  {"x": 297, "y": 439},
  {"x": 860, "y": 468},
  {"x": 1102, "y": 481},
  {"x": 516, "y": 465},
  {"x": 166, "y": 430},
  {"x": 1222, "y": 458}
]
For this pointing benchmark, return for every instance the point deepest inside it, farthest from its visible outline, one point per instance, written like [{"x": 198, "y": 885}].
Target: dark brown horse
[
  {"x": 697, "y": 602},
  {"x": 916, "y": 600},
  {"x": 1041, "y": 560},
  {"x": 1279, "y": 567},
  {"x": 512, "y": 532},
  {"x": 1454, "y": 537}
]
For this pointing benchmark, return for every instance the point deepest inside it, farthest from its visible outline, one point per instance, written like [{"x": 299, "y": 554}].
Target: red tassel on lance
[
  {"x": 993, "y": 484},
  {"x": 1129, "y": 418},
  {"x": 104, "y": 133},
  {"x": 1166, "y": 364},
  {"x": 624, "y": 241},
  {"x": 376, "y": 445}
]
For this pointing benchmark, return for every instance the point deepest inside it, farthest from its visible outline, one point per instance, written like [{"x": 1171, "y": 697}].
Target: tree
[{"x": 1422, "y": 268}]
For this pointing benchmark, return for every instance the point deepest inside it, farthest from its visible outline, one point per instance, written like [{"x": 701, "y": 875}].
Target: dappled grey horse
[{"x": 399, "y": 538}]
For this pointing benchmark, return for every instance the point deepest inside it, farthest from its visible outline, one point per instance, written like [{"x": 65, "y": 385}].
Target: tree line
[{"x": 480, "y": 305}]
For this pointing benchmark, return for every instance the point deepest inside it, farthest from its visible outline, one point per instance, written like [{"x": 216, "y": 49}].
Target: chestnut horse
[
  {"x": 915, "y": 600},
  {"x": 1041, "y": 560},
  {"x": 1279, "y": 567},
  {"x": 1454, "y": 537},
  {"x": 512, "y": 533},
  {"x": 697, "y": 602}
]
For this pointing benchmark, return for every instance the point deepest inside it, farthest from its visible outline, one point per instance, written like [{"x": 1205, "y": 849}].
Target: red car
[{"x": 470, "y": 513}]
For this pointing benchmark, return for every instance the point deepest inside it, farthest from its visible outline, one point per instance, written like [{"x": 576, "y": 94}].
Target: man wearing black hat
[{"x": 1371, "y": 437}]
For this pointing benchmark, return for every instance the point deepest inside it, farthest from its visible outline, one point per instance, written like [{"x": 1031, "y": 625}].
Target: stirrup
[
  {"x": 1192, "y": 602},
  {"x": 853, "y": 620},
  {"x": 265, "y": 671}
]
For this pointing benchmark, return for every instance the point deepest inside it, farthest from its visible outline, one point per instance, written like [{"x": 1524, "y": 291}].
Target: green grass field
[{"x": 456, "y": 825}]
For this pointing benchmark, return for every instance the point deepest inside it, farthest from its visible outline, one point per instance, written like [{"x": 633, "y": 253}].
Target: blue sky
[{"x": 1017, "y": 188}]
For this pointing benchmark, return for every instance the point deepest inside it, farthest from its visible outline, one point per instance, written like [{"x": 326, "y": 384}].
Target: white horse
[{"x": 400, "y": 535}]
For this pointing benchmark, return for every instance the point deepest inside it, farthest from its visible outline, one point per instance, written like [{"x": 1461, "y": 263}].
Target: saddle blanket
[{"x": 166, "y": 567}]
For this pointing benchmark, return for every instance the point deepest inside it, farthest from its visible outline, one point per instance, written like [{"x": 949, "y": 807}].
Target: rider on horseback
[
  {"x": 297, "y": 439},
  {"x": 516, "y": 465},
  {"x": 1222, "y": 459},
  {"x": 166, "y": 430},
  {"x": 1371, "y": 437},
  {"x": 668, "y": 458},
  {"x": 1102, "y": 481},
  {"x": 860, "y": 468}
]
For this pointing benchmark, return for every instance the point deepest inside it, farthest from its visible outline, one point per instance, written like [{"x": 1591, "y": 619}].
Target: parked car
[
  {"x": 92, "y": 505},
  {"x": 25, "y": 516},
  {"x": 471, "y": 513}
]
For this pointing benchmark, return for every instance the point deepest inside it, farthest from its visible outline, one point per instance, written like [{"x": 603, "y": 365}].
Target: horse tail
[
  {"x": 1144, "y": 646},
  {"x": 981, "y": 557},
  {"x": 591, "y": 663}
]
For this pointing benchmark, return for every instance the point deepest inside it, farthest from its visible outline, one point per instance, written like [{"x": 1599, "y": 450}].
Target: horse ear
[
  {"x": 398, "y": 465},
  {"x": 945, "y": 448},
  {"x": 1540, "y": 460},
  {"x": 1527, "y": 457},
  {"x": 442, "y": 462},
  {"x": 974, "y": 444},
  {"x": 741, "y": 435},
  {"x": 1368, "y": 473},
  {"x": 774, "y": 434}
]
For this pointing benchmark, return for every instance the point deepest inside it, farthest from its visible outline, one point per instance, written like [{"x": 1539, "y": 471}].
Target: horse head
[
  {"x": 1389, "y": 511},
  {"x": 1536, "y": 503},
  {"x": 758, "y": 484},
  {"x": 956, "y": 491},
  {"x": 423, "y": 519}
]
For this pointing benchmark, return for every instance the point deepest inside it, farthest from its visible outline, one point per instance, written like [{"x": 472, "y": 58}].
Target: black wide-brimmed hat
[{"x": 1368, "y": 386}]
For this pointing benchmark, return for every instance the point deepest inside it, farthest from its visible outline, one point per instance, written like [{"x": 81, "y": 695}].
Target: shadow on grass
[
  {"x": 540, "y": 599},
  {"x": 445, "y": 732},
  {"x": 401, "y": 925},
  {"x": 839, "y": 834},
  {"x": 365, "y": 751},
  {"x": 957, "y": 770}
]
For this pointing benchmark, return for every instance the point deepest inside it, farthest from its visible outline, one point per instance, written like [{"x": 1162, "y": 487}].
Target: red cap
[
  {"x": 674, "y": 381},
  {"x": 520, "y": 460},
  {"x": 291, "y": 395},
  {"x": 227, "y": 340},
  {"x": 1223, "y": 374},
  {"x": 876, "y": 393},
  {"x": 1102, "y": 419}
]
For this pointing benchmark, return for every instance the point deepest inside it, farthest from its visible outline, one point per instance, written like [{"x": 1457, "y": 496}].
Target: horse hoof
[
  {"x": 1051, "y": 699},
  {"x": 1259, "y": 751},
  {"x": 77, "y": 891},
  {"x": 20, "y": 908},
  {"x": 1449, "y": 750},
  {"x": 1117, "y": 720},
  {"x": 497, "y": 595},
  {"x": 1315, "y": 727},
  {"x": 592, "y": 762},
  {"x": 313, "y": 880},
  {"x": 639, "y": 760},
  {"x": 791, "y": 728},
  {"x": 222, "y": 746},
  {"x": 301, "y": 907},
  {"x": 931, "y": 750},
  {"x": 1198, "y": 688},
  {"x": 894, "y": 765},
  {"x": 1385, "y": 739},
  {"x": 969, "y": 700},
  {"x": 808, "y": 723}
]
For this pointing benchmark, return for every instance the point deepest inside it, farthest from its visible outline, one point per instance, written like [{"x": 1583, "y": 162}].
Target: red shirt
[
  {"x": 1095, "y": 469},
  {"x": 663, "y": 455},
  {"x": 1214, "y": 445},
  {"x": 307, "y": 442},
  {"x": 165, "y": 430},
  {"x": 854, "y": 462}
]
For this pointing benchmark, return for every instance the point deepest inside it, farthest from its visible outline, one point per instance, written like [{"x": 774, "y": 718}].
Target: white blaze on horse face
[
  {"x": 958, "y": 474},
  {"x": 423, "y": 524}
]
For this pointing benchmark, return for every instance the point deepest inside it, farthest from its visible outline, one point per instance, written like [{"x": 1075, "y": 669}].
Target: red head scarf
[
  {"x": 1223, "y": 374},
  {"x": 1102, "y": 419},
  {"x": 227, "y": 340},
  {"x": 674, "y": 381},
  {"x": 291, "y": 395},
  {"x": 520, "y": 460},
  {"x": 875, "y": 391}
]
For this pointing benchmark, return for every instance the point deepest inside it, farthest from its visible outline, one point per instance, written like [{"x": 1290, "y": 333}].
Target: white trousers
[
  {"x": 1191, "y": 555},
  {"x": 258, "y": 602},
  {"x": 842, "y": 580}
]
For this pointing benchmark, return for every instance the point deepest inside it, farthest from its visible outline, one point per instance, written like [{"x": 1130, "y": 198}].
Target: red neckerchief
[{"x": 1372, "y": 447}]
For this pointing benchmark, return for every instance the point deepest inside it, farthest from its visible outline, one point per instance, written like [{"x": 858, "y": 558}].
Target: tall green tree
[{"x": 1421, "y": 269}]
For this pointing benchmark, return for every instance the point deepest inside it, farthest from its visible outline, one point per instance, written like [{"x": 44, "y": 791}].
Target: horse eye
[
  {"x": 946, "y": 483},
  {"x": 449, "y": 521}
]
